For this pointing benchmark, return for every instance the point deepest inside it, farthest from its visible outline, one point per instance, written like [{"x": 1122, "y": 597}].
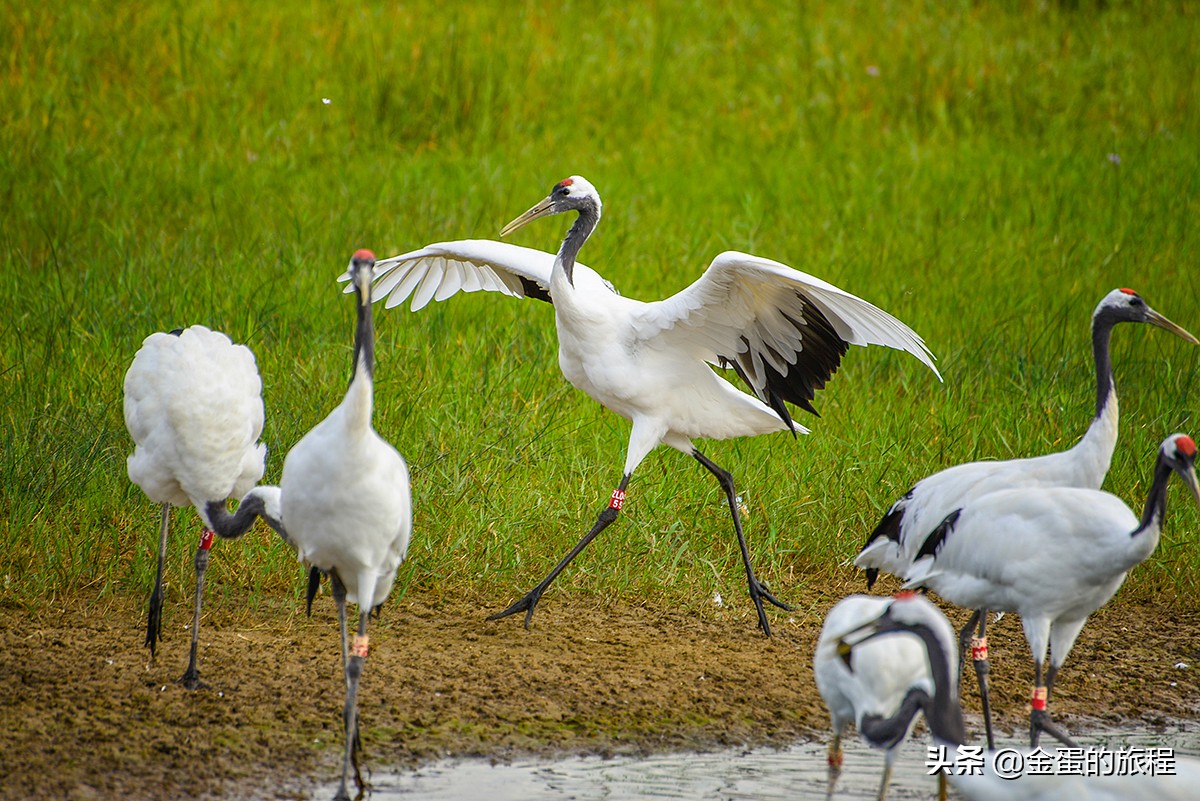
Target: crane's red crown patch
[
  {"x": 905, "y": 595},
  {"x": 1128, "y": 291},
  {"x": 1185, "y": 445},
  {"x": 566, "y": 182},
  {"x": 364, "y": 255}
]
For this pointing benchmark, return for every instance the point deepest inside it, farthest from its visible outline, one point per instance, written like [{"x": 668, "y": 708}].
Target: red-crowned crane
[
  {"x": 193, "y": 406},
  {"x": 345, "y": 505},
  {"x": 783, "y": 331},
  {"x": 893, "y": 544},
  {"x": 914, "y": 616},
  {"x": 878, "y": 686},
  {"x": 1053, "y": 555}
]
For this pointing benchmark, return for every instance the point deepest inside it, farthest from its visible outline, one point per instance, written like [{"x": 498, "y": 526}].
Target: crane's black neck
[
  {"x": 888, "y": 732},
  {"x": 943, "y": 714},
  {"x": 1156, "y": 502},
  {"x": 364, "y": 334},
  {"x": 232, "y": 526},
  {"x": 585, "y": 223},
  {"x": 1105, "y": 387}
]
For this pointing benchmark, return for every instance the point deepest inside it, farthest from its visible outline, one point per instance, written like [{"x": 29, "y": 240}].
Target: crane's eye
[
  {"x": 1136, "y": 301},
  {"x": 562, "y": 191}
]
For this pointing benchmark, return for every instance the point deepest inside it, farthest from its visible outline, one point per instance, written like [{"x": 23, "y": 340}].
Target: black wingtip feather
[
  {"x": 816, "y": 361},
  {"x": 314, "y": 584},
  {"x": 888, "y": 527},
  {"x": 933, "y": 543},
  {"x": 533, "y": 289}
]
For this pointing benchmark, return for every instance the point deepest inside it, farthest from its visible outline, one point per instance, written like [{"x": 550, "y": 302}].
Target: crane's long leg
[
  {"x": 191, "y": 676},
  {"x": 154, "y": 618},
  {"x": 354, "y": 667},
  {"x": 885, "y": 781},
  {"x": 527, "y": 603},
  {"x": 1039, "y": 720},
  {"x": 979, "y": 656},
  {"x": 964, "y": 639},
  {"x": 836, "y": 757},
  {"x": 338, "y": 590},
  {"x": 339, "y": 599},
  {"x": 757, "y": 591}
]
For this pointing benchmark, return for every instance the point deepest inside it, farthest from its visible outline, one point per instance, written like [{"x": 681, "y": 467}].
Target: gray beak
[
  {"x": 1162, "y": 322},
  {"x": 543, "y": 208},
  {"x": 1189, "y": 478}
]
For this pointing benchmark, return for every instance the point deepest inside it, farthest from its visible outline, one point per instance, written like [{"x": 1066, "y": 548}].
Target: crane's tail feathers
[{"x": 922, "y": 571}]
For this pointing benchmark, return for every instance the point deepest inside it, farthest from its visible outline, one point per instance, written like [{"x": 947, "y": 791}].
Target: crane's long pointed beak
[
  {"x": 1162, "y": 322},
  {"x": 850, "y": 638},
  {"x": 1189, "y": 478},
  {"x": 543, "y": 208}
]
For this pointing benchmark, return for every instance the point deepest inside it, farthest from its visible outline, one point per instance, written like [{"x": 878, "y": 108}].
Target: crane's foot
[
  {"x": 1039, "y": 721},
  {"x": 343, "y": 794},
  {"x": 191, "y": 680},
  {"x": 758, "y": 594},
  {"x": 526, "y": 604}
]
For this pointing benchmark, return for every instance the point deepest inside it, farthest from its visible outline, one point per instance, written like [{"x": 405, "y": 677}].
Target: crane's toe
[
  {"x": 1039, "y": 721},
  {"x": 526, "y": 604},
  {"x": 191, "y": 680},
  {"x": 759, "y": 593}
]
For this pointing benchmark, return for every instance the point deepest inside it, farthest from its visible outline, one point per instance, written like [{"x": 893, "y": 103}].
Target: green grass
[{"x": 165, "y": 164}]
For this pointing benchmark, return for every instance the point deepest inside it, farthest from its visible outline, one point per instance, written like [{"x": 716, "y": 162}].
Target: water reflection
[{"x": 763, "y": 774}]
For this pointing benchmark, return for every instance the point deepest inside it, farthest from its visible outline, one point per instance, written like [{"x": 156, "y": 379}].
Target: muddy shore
[{"x": 86, "y": 716}]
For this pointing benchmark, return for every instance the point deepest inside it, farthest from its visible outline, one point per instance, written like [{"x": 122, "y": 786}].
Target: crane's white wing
[
  {"x": 783, "y": 330},
  {"x": 435, "y": 272}
]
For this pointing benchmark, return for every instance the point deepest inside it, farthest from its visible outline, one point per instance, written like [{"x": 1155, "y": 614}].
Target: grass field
[{"x": 984, "y": 171}]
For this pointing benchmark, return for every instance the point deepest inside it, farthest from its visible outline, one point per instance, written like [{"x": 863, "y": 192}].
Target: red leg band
[
  {"x": 1038, "y": 701},
  {"x": 359, "y": 648},
  {"x": 979, "y": 649},
  {"x": 618, "y": 499},
  {"x": 206, "y": 539}
]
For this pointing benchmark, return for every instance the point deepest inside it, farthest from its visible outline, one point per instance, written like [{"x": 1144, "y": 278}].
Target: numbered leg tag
[
  {"x": 359, "y": 648},
  {"x": 1038, "y": 702},
  {"x": 206, "y": 539},
  {"x": 618, "y": 500},
  {"x": 979, "y": 649}
]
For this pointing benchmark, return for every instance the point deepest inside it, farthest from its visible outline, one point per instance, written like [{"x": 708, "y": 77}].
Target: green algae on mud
[{"x": 84, "y": 716}]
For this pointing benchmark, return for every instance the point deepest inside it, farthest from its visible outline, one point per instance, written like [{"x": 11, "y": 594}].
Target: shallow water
[{"x": 763, "y": 774}]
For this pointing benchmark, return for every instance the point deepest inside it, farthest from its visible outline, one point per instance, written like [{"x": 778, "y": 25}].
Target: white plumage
[
  {"x": 894, "y": 543},
  {"x": 914, "y": 615},
  {"x": 346, "y": 506},
  {"x": 193, "y": 406},
  {"x": 783, "y": 331},
  {"x": 871, "y": 685},
  {"x": 1053, "y": 555},
  {"x": 345, "y": 500}
]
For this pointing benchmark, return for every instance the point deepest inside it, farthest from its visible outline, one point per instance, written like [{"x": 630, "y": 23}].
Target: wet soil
[{"x": 84, "y": 715}]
